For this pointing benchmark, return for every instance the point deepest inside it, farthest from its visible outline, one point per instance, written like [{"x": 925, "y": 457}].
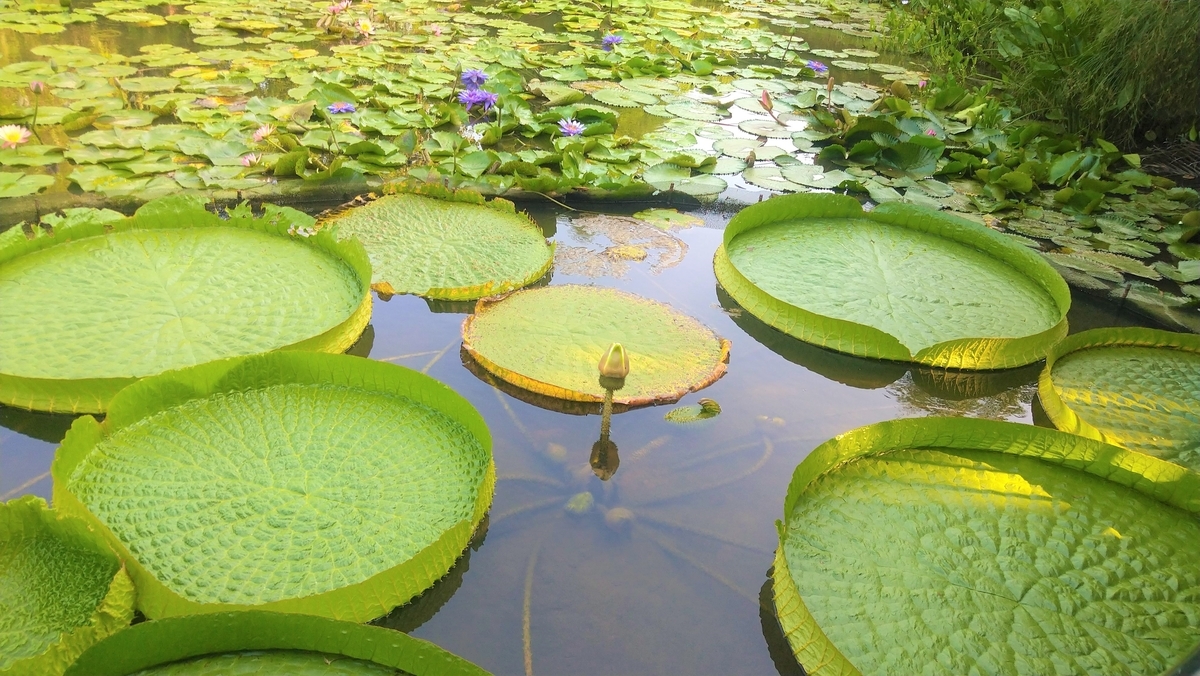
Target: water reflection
[
  {"x": 410, "y": 616},
  {"x": 48, "y": 427}
]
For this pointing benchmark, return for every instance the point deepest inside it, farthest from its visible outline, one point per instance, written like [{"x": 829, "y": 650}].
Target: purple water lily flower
[
  {"x": 571, "y": 127},
  {"x": 341, "y": 107},
  {"x": 477, "y": 97},
  {"x": 817, "y": 67},
  {"x": 610, "y": 41},
  {"x": 474, "y": 78}
]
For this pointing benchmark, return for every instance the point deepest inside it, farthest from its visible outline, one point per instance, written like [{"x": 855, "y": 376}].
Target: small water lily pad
[
  {"x": 848, "y": 64},
  {"x": 456, "y": 248},
  {"x": 1132, "y": 387},
  {"x": 705, "y": 409},
  {"x": 667, "y": 177},
  {"x": 265, "y": 643},
  {"x": 624, "y": 98},
  {"x": 668, "y": 219},
  {"x": 149, "y": 84},
  {"x": 906, "y": 540},
  {"x": 550, "y": 340},
  {"x": 898, "y": 283},
  {"x": 13, "y": 184},
  {"x": 294, "y": 526},
  {"x": 61, "y": 587},
  {"x": 172, "y": 286}
]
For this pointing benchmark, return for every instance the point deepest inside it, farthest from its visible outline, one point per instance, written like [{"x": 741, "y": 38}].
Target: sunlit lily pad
[
  {"x": 1131, "y": 387},
  {"x": 897, "y": 283},
  {"x": 97, "y": 305},
  {"x": 444, "y": 248},
  {"x": 61, "y": 587},
  {"x": 294, "y": 526},
  {"x": 957, "y": 542},
  {"x": 668, "y": 219},
  {"x": 550, "y": 340},
  {"x": 17, "y": 185},
  {"x": 667, "y": 177},
  {"x": 265, "y": 643}
]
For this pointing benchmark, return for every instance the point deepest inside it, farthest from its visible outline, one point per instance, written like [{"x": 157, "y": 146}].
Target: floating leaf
[
  {"x": 149, "y": 84},
  {"x": 624, "y": 98},
  {"x": 1004, "y": 537},
  {"x": 1132, "y": 387},
  {"x": 171, "y": 286},
  {"x": 446, "y": 249},
  {"x": 19, "y": 185},
  {"x": 63, "y": 589},
  {"x": 667, "y": 177},
  {"x": 704, "y": 409},
  {"x": 549, "y": 340},
  {"x": 898, "y": 283},
  {"x": 668, "y": 219},
  {"x": 295, "y": 528}
]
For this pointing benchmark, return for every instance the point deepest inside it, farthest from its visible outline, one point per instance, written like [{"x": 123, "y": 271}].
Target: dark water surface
[{"x": 666, "y": 572}]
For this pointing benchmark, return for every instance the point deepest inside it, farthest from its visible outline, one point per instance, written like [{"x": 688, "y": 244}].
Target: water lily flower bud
[
  {"x": 37, "y": 87},
  {"x": 615, "y": 362},
  {"x": 766, "y": 101}
]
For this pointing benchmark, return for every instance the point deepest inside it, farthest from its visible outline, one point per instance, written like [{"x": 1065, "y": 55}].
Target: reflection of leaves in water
[
  {"x": 408, "y": 617},
  {"x": 629, "y": 239},
  {"x": 1001, "y": 396},
  {"x": 777, "y": 645},
  {"x": 49, "y": 427}
]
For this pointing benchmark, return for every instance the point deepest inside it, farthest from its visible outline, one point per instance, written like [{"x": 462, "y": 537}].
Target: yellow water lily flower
[
  {"x": 365, "y": 27},
  {"x": 12, "y": 135}
]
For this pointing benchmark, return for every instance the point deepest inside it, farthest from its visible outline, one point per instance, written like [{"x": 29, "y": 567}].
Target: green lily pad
[
  {"x": 550, "y": 340},
  {"x": 149, "y": 84},
  {"x": 958, "y": 542},
  {"x": 1131, "y": 387},
  {"x": 171, "y": 286},
  {"x": 446, "y": 249},
  {"x": 815, "y": 176},
  {"x": 18, "y": 185},
  {"x": 624, "y": 98},
  {"x": 705, "y": 409},
  {"x": 768, "y": 128},
  {"x": 61, "y": 587},
  {"x": 696, "y": 111},
  {"x": 30, "y": 156},
  {"x": 771, "y": 178},
  {"x": 900, "y": 282},
  {"x": 848, "y": 64},
  {"x": 667, "y": 177},
  {"x": 213, "y": 514},
  {"x": 668, "y": 219},
  {"x": 258, "y": 642}
]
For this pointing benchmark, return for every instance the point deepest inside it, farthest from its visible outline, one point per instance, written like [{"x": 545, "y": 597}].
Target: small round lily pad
[
  {"x": 550, "y": 340},
  {"x": 452, "y": 246},
  {"x": 298, "y": 482}
]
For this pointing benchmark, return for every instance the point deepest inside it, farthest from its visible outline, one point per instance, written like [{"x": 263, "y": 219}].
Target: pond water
[{"x": 663, "y": 568}]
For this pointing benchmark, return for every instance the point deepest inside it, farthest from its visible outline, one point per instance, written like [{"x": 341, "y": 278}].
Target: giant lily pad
[
  {"x": 446, "y": 249},
  {"x": 900, "y": 283},
  {"x": 61, "y": 588},
  {"x": 97, "y": 305},
  {"x": 550, "y": 340},
  {"x": 266, "y": 644},
  {"x": 954, "y": 546},
  {"x": 1131, "y": 387},
  {"x": 299, "y": 482}
]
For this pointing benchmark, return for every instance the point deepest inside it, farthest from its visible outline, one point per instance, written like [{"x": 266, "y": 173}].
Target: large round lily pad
[
  {"x": 1131, "y": 387},
  {"x": 954, "y": 546},
  {"x": 97, "y": 305},
  {"x": 900, "y": 283},
  {"x": 61, "y": 589},
  {"x": 446, "y": 249},
  {"x": 266, "y": 644},
  {"x": 322, "y": 484},
  {"x": 550, "y": 340}
]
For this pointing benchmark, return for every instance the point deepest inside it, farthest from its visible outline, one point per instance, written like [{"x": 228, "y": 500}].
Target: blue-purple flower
[
  {"x": 611, "y": 40},
  {"x": 340, "y": 107},
  {"x": 571, "y": 127},
  {"x": 477, "y": 97},
  {"x": 817, "y": 67},
  {"x": 474, "y": 78}
]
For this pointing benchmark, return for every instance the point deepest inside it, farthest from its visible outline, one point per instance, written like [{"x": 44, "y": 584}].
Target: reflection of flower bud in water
[
  {"x": 615, "y": 362},
  {"x": 604, "y": 459}
]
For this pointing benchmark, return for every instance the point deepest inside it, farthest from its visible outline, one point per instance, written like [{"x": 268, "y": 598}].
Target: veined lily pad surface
[
  {"x": 446, "y": 249},
  {"x": 950, "y": 546},
  {"x": 1131, "y": 387},
  {"x": 96, "y": 305},
  {"x": 550, "y": 340},
  {"x": 61, "y": 589},
  {"x": 321, "y": 484},
  {"x": 266, "y": 644},
  {"x": 900, "y": 283}
]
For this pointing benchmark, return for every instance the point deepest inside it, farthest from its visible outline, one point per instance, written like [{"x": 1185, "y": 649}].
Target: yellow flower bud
[{"x": 615, "y": 362}]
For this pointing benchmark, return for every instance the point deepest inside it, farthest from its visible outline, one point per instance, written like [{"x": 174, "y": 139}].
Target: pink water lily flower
[
  {"x": 250, "y": 160},
  {"x": 12, "y": 135},
  {"x": 263, "y": 132}
]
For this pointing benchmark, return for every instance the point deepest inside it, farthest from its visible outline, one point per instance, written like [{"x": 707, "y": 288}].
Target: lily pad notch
[
  {"x": 444, "y": 244},
  {"x": 899, "y": 283},
  {"x": 278, "y": 642},
  {"x": 100, "y": 303},
  {"x": 898, "y": 537},
  {"x": 548, "y": 341},
  {"x": 305, "y": 483},
  {"x": 63, "y": 589},
  {"x": 1132, "y": 387}
]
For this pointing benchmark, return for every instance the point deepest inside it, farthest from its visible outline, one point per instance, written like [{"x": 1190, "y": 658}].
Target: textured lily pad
[
  {"x": 550, "y": 340},
  {"x": 667, "y": 177},
  {"x": 950, "y": 546},
  {"x": 1131, "y": 387},
  {"x": 62, "y": 589},
  {"x": 13, "y": 184},
  {"x": 444, "y": 248},
  {"x": 228, "y": 485},
  {"x": 898, "y": 283},
  {"x": 96, "y": 305},
  {"x": 264, "y": 643}
]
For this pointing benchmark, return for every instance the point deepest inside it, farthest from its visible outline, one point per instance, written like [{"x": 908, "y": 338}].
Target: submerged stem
[{"x": 527, "y": 611}]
